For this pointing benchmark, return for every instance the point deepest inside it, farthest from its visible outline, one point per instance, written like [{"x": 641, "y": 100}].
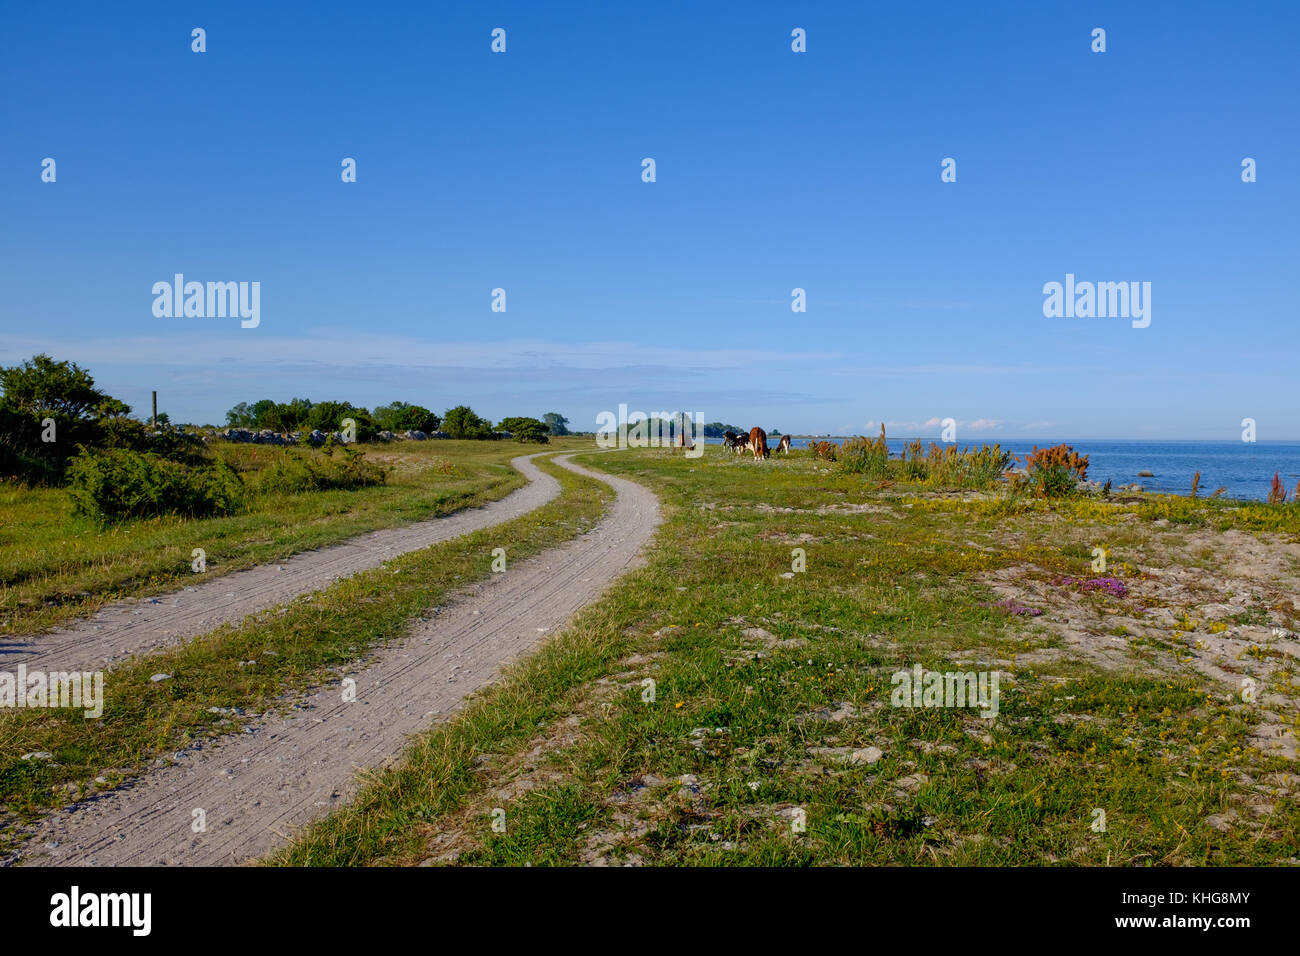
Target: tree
[
  {"x": 47, "y": 409},
  {"x": 241, "y": 416},
  {"x": 461, "y": 422},
  {"x": 262, "y": 412},
  {"x": 328, "y": 416},
  {"x": 525, "y": 429},
  {"x": 556, "y": 424},
  {"x": 718, "y": 429},
  {"x": 64, "y": 389},
  {"x": 401, "y": 417}
]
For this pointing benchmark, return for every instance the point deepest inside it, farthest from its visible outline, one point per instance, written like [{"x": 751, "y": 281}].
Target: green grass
[
  {"x": 714, "y": 771},
  {"x": 294, "y": 647},
  {"x": 55, "y": 567}
]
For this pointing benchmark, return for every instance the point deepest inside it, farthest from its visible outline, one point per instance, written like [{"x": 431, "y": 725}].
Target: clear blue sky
[{"x": 775, "y": 170}]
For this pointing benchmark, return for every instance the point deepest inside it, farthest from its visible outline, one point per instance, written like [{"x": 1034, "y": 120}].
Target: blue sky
[{"x": 775, "y": 170}]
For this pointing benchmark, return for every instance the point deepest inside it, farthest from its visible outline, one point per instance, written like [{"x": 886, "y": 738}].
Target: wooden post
[{"x": 154, "y": 421}]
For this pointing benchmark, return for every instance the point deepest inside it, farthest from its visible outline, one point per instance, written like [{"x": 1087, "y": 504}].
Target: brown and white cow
[
  {"x": 758, "y": 442},
  {"x": 784, "y": 444}
]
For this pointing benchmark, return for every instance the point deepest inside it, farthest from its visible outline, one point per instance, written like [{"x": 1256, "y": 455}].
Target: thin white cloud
[{"x": 359, "y": 350}]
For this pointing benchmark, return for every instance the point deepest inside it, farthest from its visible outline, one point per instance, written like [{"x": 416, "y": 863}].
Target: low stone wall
[{"x": 315, "y": 436}]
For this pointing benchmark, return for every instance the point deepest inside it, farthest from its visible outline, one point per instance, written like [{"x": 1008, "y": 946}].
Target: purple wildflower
[{"x": 1112, "y": 586}]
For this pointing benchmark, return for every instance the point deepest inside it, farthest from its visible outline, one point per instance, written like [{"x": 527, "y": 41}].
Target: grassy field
[
  {"x": 294, "y": 647},
  {"x": 1146, "y": 713},
  {"x": 54, "y": 566}
]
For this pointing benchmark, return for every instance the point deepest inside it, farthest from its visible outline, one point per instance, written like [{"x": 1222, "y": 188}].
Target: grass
[
  {"x": 767, "y": 681},
  {"x": 55, "y": 567},
  {"x": 295, "y": 647}
]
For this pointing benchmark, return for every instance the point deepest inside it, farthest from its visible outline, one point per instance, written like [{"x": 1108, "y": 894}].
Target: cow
[
  {"x": 729, "y": 439},
  {"x": 784, "y": 444},
  {"x": 758, "y": 442}
]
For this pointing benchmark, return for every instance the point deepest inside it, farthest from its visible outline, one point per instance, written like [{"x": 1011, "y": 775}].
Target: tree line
[
  {"x": 50, "y": 410},
  {"x": 303, "y": 415}
]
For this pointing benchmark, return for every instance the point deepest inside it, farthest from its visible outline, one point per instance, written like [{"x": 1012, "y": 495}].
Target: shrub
[
  {"x": 401, "y": 417},
  {"x": 461, "y": 422},
  {"x": 293, "y": 472},
  {"x": 1055, "y": 472},
  {"x": 42, "y": 393},
  {"x": 1277, "y": 491},
  {"x": 951, "y": 467},
  {"x": 861, "y": 456},
  {"x": 119, "y": 483},
  {"x": 526, "y": 429}
]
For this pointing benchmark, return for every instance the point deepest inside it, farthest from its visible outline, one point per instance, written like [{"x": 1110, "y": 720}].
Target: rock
[
  {"x": 850, "y": 755},
  {"x": 1146, "y": 474},
  {"x": 38, "y": 755},
  {"x": 158, "y": 678}
]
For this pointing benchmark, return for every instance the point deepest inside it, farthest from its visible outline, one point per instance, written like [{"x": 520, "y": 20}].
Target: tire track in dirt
[
  {"x": 145, "y": 625},
  {"x": 290, "y": 769}
]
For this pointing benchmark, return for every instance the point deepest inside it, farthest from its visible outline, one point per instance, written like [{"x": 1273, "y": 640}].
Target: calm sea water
[{"x": 1245, "y": 468}]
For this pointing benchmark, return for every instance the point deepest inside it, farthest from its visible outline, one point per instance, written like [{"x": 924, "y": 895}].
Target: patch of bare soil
[{"x": 1221, "y": 603}]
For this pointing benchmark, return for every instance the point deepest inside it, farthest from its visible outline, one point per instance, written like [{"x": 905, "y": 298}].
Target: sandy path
[
  {"x": 148, "y": 624},
  {"x": 256, "y": 788}
]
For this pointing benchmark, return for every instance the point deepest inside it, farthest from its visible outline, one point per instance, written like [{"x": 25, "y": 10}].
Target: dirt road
[
  {"x": 256, "y": 788},
  {"x": 144, "y": 626}
]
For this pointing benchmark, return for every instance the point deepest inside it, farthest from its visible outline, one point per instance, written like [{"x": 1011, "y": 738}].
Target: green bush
[
  {"x": 119, "y": 483},
  {"x": 947, "y": 466},
  {"x": 401, "y": 417},
  {"x": 293, "y": 472},
  {"x": 461, "y": 422},
  {"x": 47, "y": 410},
  {"x": 1055, "y": 472},
  {"x": 526, "y": 429},
  {"x": 865, "y": 456}
]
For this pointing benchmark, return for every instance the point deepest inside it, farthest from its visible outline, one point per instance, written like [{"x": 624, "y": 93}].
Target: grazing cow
[
  {"x": 758, "y": 442},
  {"x": 740, "y": 443},
  {"x": 784, "y": 444},
  {"x": 729, "y": 439}
]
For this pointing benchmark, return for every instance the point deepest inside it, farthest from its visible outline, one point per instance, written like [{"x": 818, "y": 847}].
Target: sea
[{"x": 1244, "y": 468}]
